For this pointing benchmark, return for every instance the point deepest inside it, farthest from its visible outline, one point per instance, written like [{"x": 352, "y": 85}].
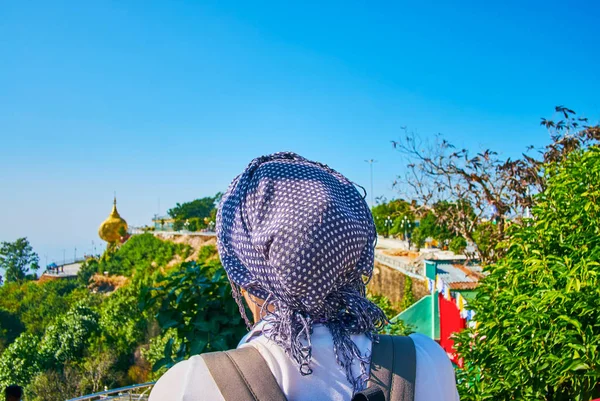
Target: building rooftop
[{"x": 459, "y": 276}]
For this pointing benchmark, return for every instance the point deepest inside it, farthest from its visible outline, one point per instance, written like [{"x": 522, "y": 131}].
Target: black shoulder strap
[
  {"x": 243, "y": 374},
  {"x": 393, "y": 370}
]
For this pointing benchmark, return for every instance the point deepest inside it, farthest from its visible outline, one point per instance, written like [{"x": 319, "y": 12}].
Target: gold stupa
[{"x": 110, "y": 230}]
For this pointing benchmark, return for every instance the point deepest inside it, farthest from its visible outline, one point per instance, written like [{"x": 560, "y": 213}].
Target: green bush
[
  {"x": 458, "y": 245},
  {"x": 538, "y": 311},
  {"x": 384, "y": 304},
  {"x": 122, "y": 323},
  {"x": 398, "y": 328},
  {"x": 141, "y": 254},
  {"x": 155, "y": 352},
  {"x": 395, "y": 327},
  {"x": 20, "y": 361},
  {"x": 407, "y": 298},
  {"x": 197, "y": 303},
  {"x": 10, "y": 328},
  {"x": 54, "y": 385},
  {"x": 87, "y": 270},
  {"x": 417, "y": 238},
  {"x": 65, "y": 339},
  {"x": 36, "y": 305}
]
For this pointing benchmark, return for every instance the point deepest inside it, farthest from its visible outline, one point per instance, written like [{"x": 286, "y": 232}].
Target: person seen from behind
[
  {"x": 297, "y": 241},
  {"x": 13, "y": 393}
]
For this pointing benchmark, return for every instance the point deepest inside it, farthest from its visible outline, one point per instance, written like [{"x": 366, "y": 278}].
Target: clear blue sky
[{"x": 171, "y": 99}]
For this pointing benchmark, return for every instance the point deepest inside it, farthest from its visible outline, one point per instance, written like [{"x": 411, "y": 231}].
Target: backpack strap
[
  {"x": 393, "y": 370},
  {"x": 243, "y": 374}
]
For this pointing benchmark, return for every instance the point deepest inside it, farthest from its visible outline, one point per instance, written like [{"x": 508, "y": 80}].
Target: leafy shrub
[
  {"x": 66, "y": 338},
  {"x": 37, "y": 304},
  {"x": 10, "y": 328},
  {"x": 398, "y": 328},
  {"x": 20, "y": 361},
  {"x": 53, "y": 385},
  {"x": 458, "y": 245},
  {"x": 87, "y": 271},
  {"x": 538, "y": 311},
  {"x": 141, "y": 254},
  {"x": 407, "y": 298},
  {"x": 395, "y": 327},
  {"x": 121, "y": 321},
  {"x": 197, "y": 303},
  {"x": 157, "y": 353},
  {"x": 384, "y": 304}
]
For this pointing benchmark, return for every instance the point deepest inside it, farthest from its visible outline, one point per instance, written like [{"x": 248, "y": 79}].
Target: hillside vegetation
[{"x": 66, "y": 338}]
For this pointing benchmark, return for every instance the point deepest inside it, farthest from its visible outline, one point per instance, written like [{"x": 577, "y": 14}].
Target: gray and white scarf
[{"x": 299, "y": 235}]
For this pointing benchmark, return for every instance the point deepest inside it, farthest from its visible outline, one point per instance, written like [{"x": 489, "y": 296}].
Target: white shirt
[{"x": 191, "y": 380}]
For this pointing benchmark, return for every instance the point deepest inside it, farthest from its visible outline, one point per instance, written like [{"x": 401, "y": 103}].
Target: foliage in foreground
[
  {"x": 196, "y": 301},
  {"x": 538, "y": 312},
  {"x": 395, "y": 327}
]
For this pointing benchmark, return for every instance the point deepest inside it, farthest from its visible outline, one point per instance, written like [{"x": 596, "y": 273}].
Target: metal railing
[
  {"x": 135, "y": 392},
  {"x": 68, "y": 261}
]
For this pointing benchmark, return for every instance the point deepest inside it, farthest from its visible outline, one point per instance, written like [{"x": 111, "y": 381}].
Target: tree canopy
[
  {"x": 199, "y": 208},
  {"x": 396, "y": 210},
  {"x": 538, "y": 312},
  {"x": 17, "y": 258},
  {"x": 485, "y": 187}
]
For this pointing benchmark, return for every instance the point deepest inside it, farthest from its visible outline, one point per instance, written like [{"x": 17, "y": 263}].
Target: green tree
[
  {"x": 199, "y": 208},
  {"x": 87, "y": 271},
  {"x": 485, "y": 186},
  {"x": 155, "y": 352},
  {"x": 10, "y": 328},
  {"x": 38, "y": 304},
  {"x": 430, "y": 227},
  {"x": 196, "y": 301},
  {"x": 53, "y": 385},
  {"x": 178, "y": 225},
  {"x": 122, "y": 323},
  {"x": 458, "y": 245},
  {"x": 17, "y": 258},
  {"x": 538, "y": 310},
  {"x": 20, "y": 361},
  {"x": 395, "y": 327},
  {"x": 44, "y": 302},
  {"x": 97, "y": 370},
  {"x": 395, "y": 209},
  {"x": 398, "y": 328},
  {"x": 66, "y": 339}
]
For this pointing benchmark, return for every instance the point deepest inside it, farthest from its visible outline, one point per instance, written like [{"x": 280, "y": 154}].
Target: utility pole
[
  {"x": 75, "y": 255},
  {"x": 64, "y": 256},
  {"x": 371, "y": 161}
]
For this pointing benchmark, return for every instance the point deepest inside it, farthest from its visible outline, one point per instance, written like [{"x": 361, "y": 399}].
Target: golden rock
[{"x": 112, "y": 228}]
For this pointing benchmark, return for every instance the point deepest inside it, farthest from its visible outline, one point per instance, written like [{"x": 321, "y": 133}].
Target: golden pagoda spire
[{"x": 112, "y": 228}]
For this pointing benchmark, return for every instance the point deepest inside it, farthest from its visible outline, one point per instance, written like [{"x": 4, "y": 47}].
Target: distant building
[{"x": 163, "y": 223}]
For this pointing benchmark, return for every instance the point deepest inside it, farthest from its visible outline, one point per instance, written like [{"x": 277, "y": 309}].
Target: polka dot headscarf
[{"x": 300, "y": 236}]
